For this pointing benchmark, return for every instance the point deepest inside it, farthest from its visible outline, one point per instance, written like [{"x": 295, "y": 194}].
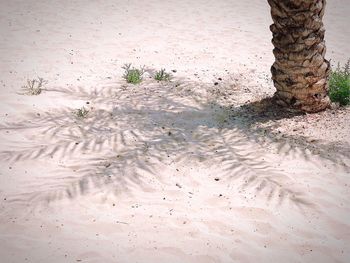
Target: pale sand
[{"x": 164, "y": 172}]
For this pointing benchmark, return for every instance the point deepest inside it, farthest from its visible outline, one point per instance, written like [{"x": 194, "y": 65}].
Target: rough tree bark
[{"x": 300, "y": 72}]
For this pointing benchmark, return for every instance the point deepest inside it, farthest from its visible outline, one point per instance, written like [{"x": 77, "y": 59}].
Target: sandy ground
[{"x": 199, "y": 169}]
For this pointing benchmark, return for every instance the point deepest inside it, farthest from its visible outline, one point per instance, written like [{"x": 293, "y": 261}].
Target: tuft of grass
[
  {"x": 162, "y": 75},
  {"x": 34, "y": 86},
  {"x": 133, "y": 75},
  {"x": 339, "y": 84},
  {"x": 82, "y": 112}
]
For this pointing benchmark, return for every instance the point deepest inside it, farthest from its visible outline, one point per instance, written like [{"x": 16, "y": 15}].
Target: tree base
[{"x": 310, "y": 104}]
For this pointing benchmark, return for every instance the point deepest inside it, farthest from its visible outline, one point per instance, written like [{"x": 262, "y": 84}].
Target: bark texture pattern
[{"x": 300, "y": 72}]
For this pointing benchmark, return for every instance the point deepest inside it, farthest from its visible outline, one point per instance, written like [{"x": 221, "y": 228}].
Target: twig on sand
[{"x": 120, "y": 222}]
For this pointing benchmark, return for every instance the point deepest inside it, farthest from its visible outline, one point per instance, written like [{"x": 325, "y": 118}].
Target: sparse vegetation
[
  {"x": 82, "y": 112},
  {"x": 34, "y": 86},
  {"x": 162, "y": 75},
  {"x": 133, "y": 75},
  {"x": 339, "y": 84}
]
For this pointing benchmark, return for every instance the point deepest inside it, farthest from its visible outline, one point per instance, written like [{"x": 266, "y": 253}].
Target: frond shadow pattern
[{"x": 133, "y": 131}]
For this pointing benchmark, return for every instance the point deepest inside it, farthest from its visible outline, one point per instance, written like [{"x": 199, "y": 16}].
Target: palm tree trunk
[{"x": 300, "y": 72}]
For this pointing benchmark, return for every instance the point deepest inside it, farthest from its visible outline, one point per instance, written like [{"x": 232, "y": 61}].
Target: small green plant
[
  {"x": 162, "y": 75},
  {"x": 34, "y": 86},
  {"x": 339, "y": 84},
  {"x": 133, "y": 75},
  {"x": 82, "y": 112}
]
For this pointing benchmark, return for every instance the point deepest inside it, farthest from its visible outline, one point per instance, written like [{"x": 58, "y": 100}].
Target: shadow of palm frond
[
  {"x": 131, "y": 132},
  {"x": 260, "y": 121}
]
